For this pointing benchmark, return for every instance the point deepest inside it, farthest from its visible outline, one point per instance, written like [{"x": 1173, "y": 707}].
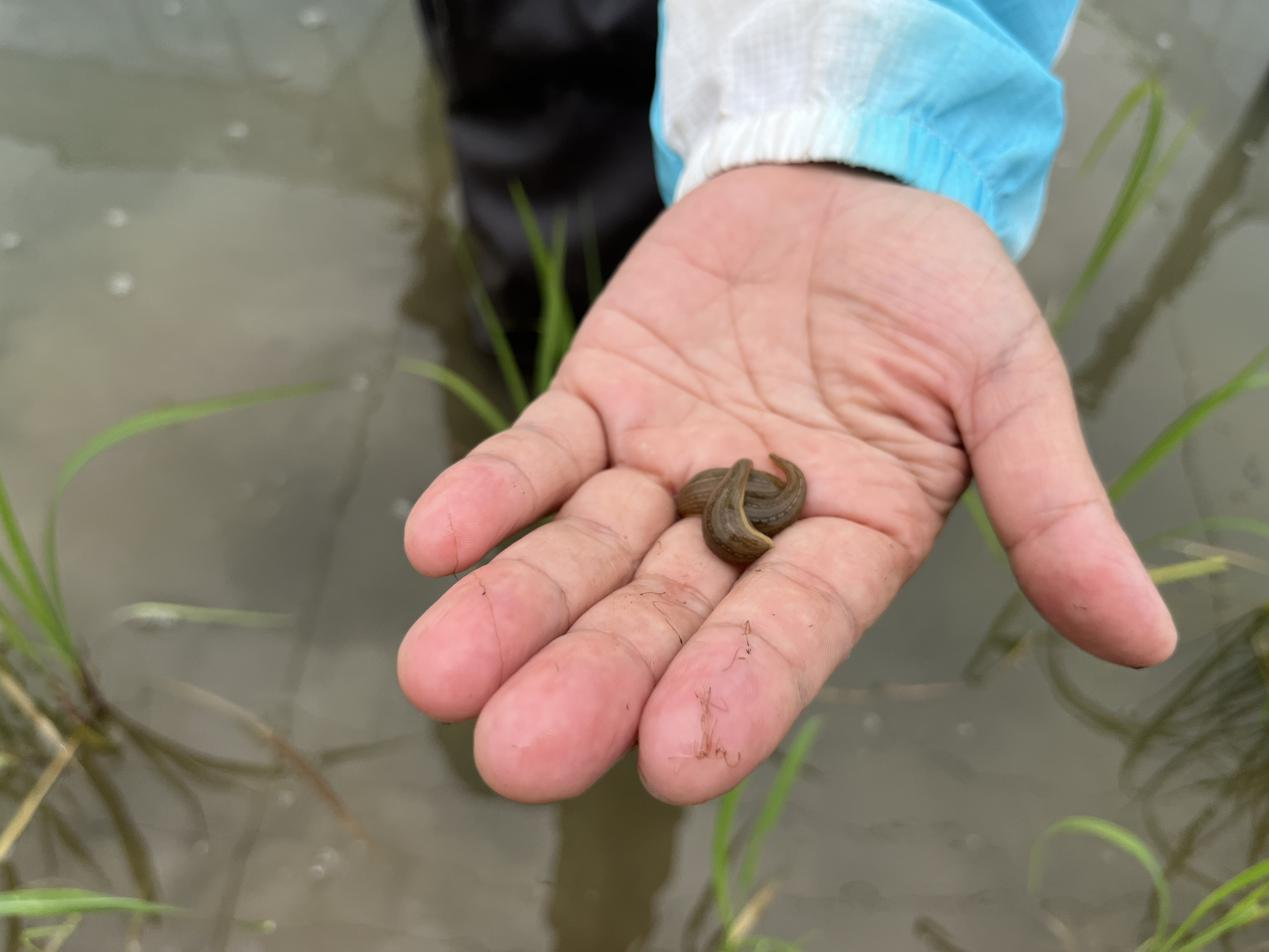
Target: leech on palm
[{"x": 878, "y": 336}]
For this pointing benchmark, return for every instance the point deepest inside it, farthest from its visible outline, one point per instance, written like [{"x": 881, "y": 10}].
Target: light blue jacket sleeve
[{"x": 953, "y": 96}]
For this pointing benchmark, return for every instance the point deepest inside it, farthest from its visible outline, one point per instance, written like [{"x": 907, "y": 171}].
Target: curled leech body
[{"x": 742, "y": 508}]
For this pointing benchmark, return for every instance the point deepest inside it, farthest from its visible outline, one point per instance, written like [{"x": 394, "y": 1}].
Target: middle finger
[{"x": 494, "y": 619}]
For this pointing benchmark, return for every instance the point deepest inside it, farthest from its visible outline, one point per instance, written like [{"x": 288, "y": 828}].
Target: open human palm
[{"x": 877, "y": 336}]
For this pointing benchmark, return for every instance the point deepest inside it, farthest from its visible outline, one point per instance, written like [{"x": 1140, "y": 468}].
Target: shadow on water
[
  {"x": 1205, "y": 222},
  {"x": 615, "y": 852}
]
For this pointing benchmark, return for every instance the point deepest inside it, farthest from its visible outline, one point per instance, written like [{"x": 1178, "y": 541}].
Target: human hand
[{"x": 876, "y": 335}]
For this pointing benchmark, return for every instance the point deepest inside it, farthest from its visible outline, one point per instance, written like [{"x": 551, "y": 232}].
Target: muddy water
[{"x": 199, "y": 197}]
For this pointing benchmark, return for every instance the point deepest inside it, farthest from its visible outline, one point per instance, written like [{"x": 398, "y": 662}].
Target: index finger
[{"x": 505, "y": 483}]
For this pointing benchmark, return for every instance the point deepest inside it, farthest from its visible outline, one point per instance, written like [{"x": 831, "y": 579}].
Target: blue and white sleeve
[{"x": 952, "y": 96}]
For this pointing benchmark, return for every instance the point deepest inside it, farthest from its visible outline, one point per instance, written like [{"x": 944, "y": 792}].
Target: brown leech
[{"x": 741, "y": 509}]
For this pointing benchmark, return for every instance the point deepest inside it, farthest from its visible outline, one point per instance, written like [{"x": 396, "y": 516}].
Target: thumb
[{"x": 1049, "y": 507}]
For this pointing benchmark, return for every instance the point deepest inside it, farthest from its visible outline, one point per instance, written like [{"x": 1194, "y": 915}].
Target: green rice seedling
[
  {"x": 737, "y": 925},
  {"x": 1238, "y": 902},
  {"x": 556, "y": 322},
  {"x": 460, "y": 387},
  {"x": 1208, "y": 732},
  {"x": 67, "y": 905},
  {"x": 1145, "y": 175},
  {"x": 1249, "y": 378},
  {"x": 55, "y": 720}
]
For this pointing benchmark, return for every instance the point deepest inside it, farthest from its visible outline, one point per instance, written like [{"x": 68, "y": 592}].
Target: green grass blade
[
  {"x": 171, "y": 613},
  {"x": 135, "y": 851},
  {"x": 55, "y": 937},
  {"x": 460, "y": 387},
  {"x": 720, "y": 855},
  {"x": 512, "y": 379},
  {"x": 140, "y": 425},
  {"x": 1175, "y": 433},
  {"x": 774, "y": 805},
  {"x": 30, "y": 590},
  {"x": 555, "y": 323},
  {"x": 1185, "y": 571},
  {"x": 1127, "y": 204},
  {"x": 590, "y": 255},
  {"x": 1116, "y": 121},
  {"x": 46, "y": 903},
  {"x": 557, "y": 316},
  {"x": 1119, "y": 838},
  {"x": 14, "y": 930},
  {"x": 1251, "y": 877},
  {"x": 1225, "y": 524},
  {"x": 978, "y": 512},
  {"x": 1247, "y": 911},
  {"x": 11, "y": 633},
  {"x": 1159, "y": 171},
  {"x": 153, "y": 420}
]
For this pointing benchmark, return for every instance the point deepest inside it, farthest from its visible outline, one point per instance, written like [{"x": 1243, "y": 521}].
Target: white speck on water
[
  {"x": 972, "y": 842},
  {"x": 401, "y": 508},
  {"x": 133, "y": 945},
  {"x": 286, "y": 798},
  {"x": 279, "y": 72},
  {"x": 1164, "y": 41},
  {"x": 328, "y": 856},
  {"x": 965, "y": 729},
  {"x": 313, "y": 18},
  {"x": 10, "y": 241},
  {"x": 1251, "y": 149},
  {"x": 325, "y": 863},
  {"x": 237, "y": 130},
  {"x": 172, "y": 8},
  {"x": 268, "y": 926},
  {"x": 872, "y": 723},
  {"x": 202, "y": 847},
  {"x": 121, "y": 284},
  {"x": 116, "y": 217},
  {"x": 358, "y": 383}
]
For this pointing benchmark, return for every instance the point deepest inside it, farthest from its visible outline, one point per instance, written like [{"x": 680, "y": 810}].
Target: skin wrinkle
[
  {"x": 453, "y": 540},
  {"x": 648, "y": 328},
  {"x": 651, "y": 371},
  {"x": 1049, "y": 520},
  {"x": 733, "y": 322},
  {"x": 810, "y": 581},
  {"x": 560, "y": 593},
  {"x": 1019, "y": 409},
  {"x": 1003, "y": 361},
  {"x": 685, "y": 591},
  {"x": 522, "y": 481},
  {"x": 604, "y": 535},
  {"x": 493, "y": 625},
  {"x": 678, "y": 250},
  {"x": 579, "y": 471},
  {"x": 623, "y": 640},
  {"x": 797, "y": 673}
]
